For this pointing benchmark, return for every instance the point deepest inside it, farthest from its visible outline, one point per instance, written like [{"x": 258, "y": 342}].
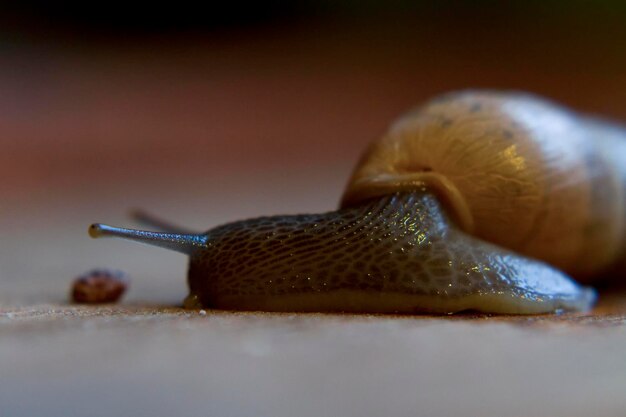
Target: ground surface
[
  {"x": 213, "y": 132},
  {"x": 118, "y": 360}
]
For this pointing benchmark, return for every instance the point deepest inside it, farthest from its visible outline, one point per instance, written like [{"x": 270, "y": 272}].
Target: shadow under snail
[{"x": 477, "y": 200}]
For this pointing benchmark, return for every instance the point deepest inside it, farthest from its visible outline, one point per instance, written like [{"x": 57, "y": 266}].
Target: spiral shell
[{"x": 514, "y": 170}]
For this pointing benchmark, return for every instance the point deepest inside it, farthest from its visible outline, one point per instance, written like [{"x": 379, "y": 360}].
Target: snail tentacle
[{"x": 183, "y": 243}]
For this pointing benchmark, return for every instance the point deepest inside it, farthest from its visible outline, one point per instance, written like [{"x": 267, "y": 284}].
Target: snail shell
[
  {"x": 514, "y": 170},
  {"x": 474, "y": 201}
]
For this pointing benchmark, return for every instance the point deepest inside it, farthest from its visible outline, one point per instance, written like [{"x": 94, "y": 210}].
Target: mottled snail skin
[
  {"x": 413, "y": 229},
  {"x": 398, "y": 253}
]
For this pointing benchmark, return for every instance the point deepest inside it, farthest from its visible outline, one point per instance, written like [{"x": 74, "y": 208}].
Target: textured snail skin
[
  {"x": 398, "y": 254},
  {"x": 475, "y": 201}
]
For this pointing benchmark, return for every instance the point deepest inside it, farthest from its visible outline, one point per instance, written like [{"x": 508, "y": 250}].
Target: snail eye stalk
[{"x": 183, "y": 243}]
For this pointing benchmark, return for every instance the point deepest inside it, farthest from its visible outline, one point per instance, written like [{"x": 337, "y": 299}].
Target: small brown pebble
[{"x": 99, "y": 286}]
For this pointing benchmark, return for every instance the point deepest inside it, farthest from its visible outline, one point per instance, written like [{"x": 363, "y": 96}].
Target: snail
[{"x": 475, "y": 201}]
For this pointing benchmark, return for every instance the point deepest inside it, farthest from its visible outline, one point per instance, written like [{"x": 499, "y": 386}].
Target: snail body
[{"x": 476, "y": 201}]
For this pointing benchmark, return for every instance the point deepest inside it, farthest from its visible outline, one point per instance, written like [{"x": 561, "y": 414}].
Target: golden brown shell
[{"x": 512, "y": 169}]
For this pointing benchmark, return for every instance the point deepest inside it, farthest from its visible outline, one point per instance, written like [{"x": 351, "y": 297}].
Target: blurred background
[{"x": 212, "y": 114}]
